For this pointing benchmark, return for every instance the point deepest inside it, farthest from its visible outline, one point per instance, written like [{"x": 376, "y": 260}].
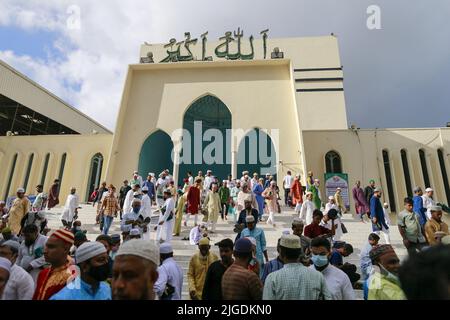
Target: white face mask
[{"x": 388, "y": 274}]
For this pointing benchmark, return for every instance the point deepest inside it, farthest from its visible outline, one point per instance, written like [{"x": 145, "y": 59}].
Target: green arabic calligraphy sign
[{"x": 221, "y": 51}]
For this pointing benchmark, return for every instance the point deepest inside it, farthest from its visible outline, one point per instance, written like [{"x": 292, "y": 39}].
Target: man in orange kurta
[
  {"x": 297, "y": 193},
  {"x": 52, "y": 279}
]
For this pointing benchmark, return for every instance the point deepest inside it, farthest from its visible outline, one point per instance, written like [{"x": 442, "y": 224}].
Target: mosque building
[{"x": 240, "y": 103}]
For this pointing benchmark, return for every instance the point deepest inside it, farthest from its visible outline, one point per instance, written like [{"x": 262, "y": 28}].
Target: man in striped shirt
[{"x": 239, "y": 283}]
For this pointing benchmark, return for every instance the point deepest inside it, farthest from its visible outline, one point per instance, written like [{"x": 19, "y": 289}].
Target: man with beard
[
  {"x": 31, "y": 251},
  {"x": 92, "y": 261},
  {"x": 198, "y": 267},
  {"x": 135, "y": 270},
  {"x": 52, "y": 279},
  {"x": 384, "y": 284},
  {"x": 212, "y": 290},
  {"x": 170, "y": 276},
  {"x": 19, "y": 208}
]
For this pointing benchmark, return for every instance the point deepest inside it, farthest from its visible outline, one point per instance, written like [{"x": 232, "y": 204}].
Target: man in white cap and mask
[
  {"x": 129, "y": 198},
  {"x": 331, "y": 204},
  {"x": 5, "y": 268},
  {"x": 135, "y": 270},
  {"x": 20, "y": 285},
  {"x": 428, "y": 201},
  {"x": 146, "y": 202},
  {"x": 294, "y": 281},
  {"x": 93, "y": 269},
  {"x": 308, "y": 207},
  {"x": 70, "y": 208},
  {"x": 170, "y": 276},
  {"x": 19, "y": 208}
]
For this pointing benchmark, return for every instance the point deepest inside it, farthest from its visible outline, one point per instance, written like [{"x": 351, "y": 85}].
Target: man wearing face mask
[
  {"x": 92, "y": 261},
  {"x": 130, "y": 219},
  {"x": 337, "y": 281},
  {"x": 384, "y": 284}
]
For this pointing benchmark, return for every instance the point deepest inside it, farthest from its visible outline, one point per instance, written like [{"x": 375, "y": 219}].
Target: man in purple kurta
[{"x": 361, "y": 205}]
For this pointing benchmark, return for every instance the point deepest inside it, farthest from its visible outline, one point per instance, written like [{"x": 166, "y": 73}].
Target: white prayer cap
[
  {"x": 290, "y": 241},
  {"x": 253, "y": 240},
  {"x": 308, "y": 193},
  {"x": 144, "y": 188},
  {"x": 330, "y": 198},
  {"x": 435, "y": 208},
  {"x": 136, "y": 194},
  {"x": 136, "y": 200},
  {"x": 316, "y": 180},
  {"x": 273, "y": 182},
  {"x": 135, "y": 172},
  {"x": 2, "y": 202},
  {"x": 165, "y": 248},
  {"x": 338, "y": 188},
  {"x": 376, "y": 190},
  {"x": 142, "y": 248},
  {"x": 249, "y": 219},
  {"x": 20, "y": 190},
  {"x": 89, "y": 250},
  {"x": 151, "y": 174},
  {"x": 267, "y": 174},
  {"x": 135, "y": 232},
  {"x": 5, "y": 264},
  {"x": 11, "y": 244},
  {"x": 428, "y": 189},
  {"x": 208, "y": 171}
]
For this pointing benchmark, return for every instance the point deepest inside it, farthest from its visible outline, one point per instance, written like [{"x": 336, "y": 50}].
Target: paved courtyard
[{"x": 357, "y": 235}]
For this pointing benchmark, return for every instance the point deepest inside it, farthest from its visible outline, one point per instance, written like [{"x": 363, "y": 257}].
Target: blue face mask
[
  {"x": 319, "y": 260},
  {"x": 136, "y": 209}
]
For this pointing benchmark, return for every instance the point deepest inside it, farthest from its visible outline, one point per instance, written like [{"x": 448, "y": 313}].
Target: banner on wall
[{"x": 334, "y": 181}]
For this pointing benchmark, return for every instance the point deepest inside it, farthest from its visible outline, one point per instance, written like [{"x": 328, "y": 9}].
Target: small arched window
[
  {"x": 11, "y": 175},
  {"x": 423, "y": 164},
  {"x": 444, "y": 174},
  {"x": 95, "y": 173},
  {"x": 61, "y": 168},
  {"x": 389, "y": 182},
  {"x": 406, "y": 173},
  {"x": 333, "y": 162},
  {"x": 44, "y": 170},
  {"x": 28, "y": 172}
]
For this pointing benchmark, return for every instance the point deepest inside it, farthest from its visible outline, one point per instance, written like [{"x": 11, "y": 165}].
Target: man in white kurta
[
  {"x": 161, "y": 184},
  {"x": 428, "y": 201},
  {"x": 208, "y": 180},
  {"x": 166, "y": 219},
  {"x": 146, "y": 210},
  {"x": 31, "y": 252},
  {"x": 70, "y": 208},
  {"x": 129, "y": 198},
  {"x": 331, "y": 204},
  {"x": 308, "y": 207},
  {"x": 169, "y": 273}
]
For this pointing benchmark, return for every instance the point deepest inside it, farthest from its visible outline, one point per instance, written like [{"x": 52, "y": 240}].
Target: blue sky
[{"x": 394, "y": 77}]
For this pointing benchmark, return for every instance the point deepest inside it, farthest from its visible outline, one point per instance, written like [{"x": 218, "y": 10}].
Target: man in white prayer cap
[
  {"x": 5, "y": 268},
  {"x": 170, "y": 275},
  {"x": 89, "y": 284},
  {"x": 428, "y": 201},
  {"x": 135, "y": 270},
  {"x": 19, "y": 208}
]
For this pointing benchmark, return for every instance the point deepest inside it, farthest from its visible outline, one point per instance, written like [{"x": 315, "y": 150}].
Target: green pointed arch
[
  {"x": 213, "y": 114},
  {"x": 156, "y": 154},
  {"x": 256, "y": 153}
]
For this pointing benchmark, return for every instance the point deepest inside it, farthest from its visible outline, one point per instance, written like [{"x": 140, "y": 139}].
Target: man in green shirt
[
  {"x": 409, "y": 227},
  {"x": 224, "y": 194},
  {"x": 384, "y": 284}
]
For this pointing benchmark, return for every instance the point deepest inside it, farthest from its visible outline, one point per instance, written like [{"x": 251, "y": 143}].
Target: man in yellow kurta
[
  {"x": 179, "y": 212},
  {"x": 212, "y": 204},
  {"x": 19, "y": 208},
  {"x": 340, "y": 201},
  {"x": 198, "y": 266}
]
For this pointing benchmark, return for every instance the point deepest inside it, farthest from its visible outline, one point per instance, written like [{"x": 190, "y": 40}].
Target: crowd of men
[{"x": 65, "y": 265}]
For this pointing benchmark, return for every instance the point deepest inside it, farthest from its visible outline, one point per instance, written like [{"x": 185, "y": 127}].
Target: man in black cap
[{"x": 212, "y": 289}]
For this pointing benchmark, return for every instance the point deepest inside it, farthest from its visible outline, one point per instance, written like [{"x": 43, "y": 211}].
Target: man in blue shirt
[
  {"x": 377, "y": 214},
  {"x": 151, "y": 187},
  {"x": 273, "y": 265},
  {"x": 92, "y": 261},
  {"x": 258, "y": 234},
  {"x": 418, "y": 208}
]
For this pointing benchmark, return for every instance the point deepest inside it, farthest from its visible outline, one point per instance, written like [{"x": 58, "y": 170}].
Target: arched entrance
[
  {"x": 156, "y": 154},
  {"x": 256, "y": 153},
  {"x": 206, "y": 140},
  {"x": 95, "y": 174}
]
